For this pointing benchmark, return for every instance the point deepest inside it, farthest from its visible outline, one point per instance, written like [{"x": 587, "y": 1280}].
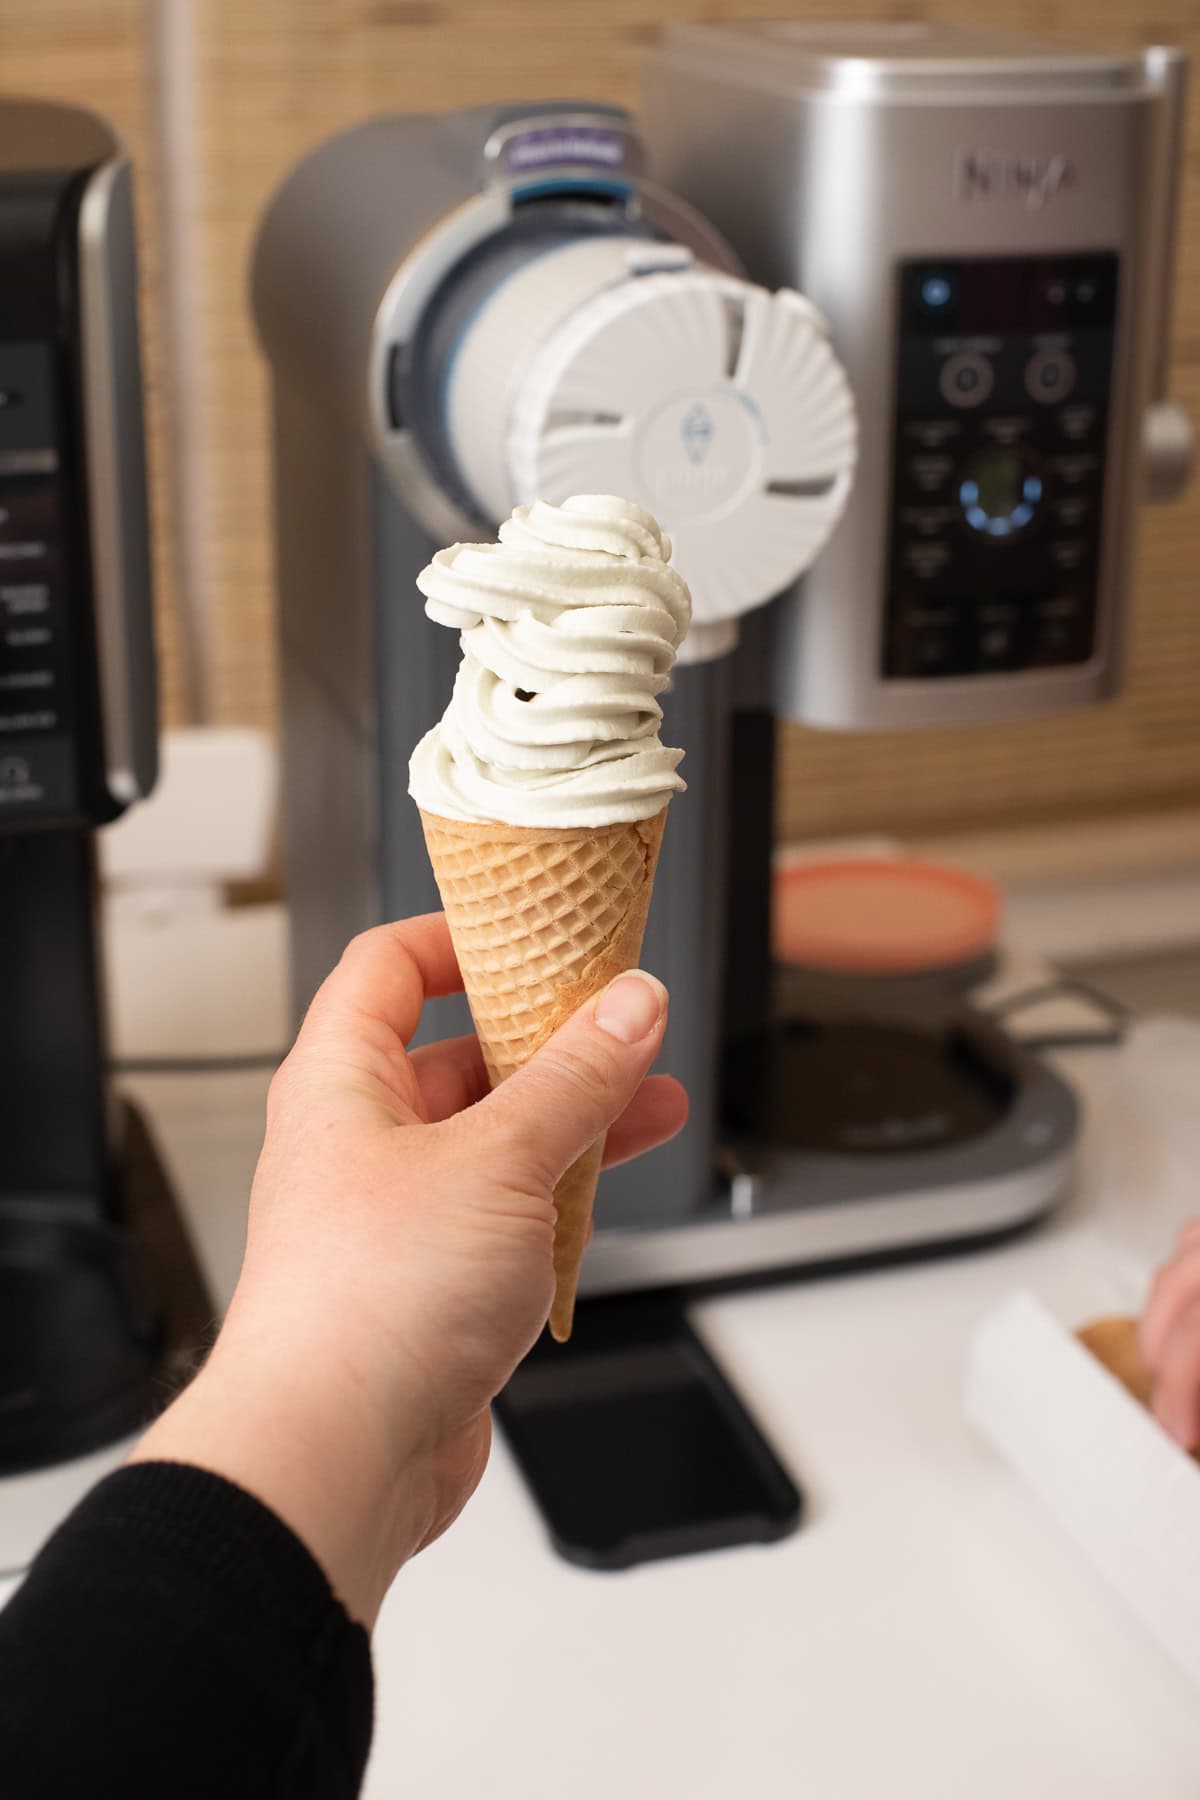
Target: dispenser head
[
  {"x": 543, "y": 321},
  {"x": 717, "y": 405}
]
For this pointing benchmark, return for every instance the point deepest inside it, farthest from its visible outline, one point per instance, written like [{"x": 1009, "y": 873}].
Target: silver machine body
[
  {"x": 851, "y": 157},
  {"x": 870, "y": 170}
]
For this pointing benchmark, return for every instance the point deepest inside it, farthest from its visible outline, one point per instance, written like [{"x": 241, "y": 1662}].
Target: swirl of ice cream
[{"x": 570, "y": 625}]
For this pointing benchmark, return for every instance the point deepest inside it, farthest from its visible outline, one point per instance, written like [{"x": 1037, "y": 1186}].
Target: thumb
[{"x": 574, "y": 1087}]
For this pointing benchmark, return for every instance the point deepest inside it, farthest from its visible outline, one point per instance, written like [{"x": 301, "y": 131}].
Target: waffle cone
[{"x": 541, "y": 921}]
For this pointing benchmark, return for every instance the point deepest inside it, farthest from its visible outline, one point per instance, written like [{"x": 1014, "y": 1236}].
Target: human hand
[
  {"x": 399, "y": 1253},
  {"x": 1170, "y": 1339}
]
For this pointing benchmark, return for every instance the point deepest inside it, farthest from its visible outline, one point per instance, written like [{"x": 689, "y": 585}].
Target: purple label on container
[{"x": 545, "y": 146}]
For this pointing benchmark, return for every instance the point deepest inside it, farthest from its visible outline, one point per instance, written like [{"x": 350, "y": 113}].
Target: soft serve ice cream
[
  {"x": 543, "y": 790},
  {"x": 570, "y": 626}
]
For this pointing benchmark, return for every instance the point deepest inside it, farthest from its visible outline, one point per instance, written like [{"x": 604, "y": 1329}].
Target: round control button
[
  {"x": 999, "y": 493},
  {"x": 966, "y": 379},
  {"x": 1049, "y": 376}
]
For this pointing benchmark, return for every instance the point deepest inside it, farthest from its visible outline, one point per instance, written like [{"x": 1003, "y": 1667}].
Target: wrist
[{"x": 308, "y": 1449}]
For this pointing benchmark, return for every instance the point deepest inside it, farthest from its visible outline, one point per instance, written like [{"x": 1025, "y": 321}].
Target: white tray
[{"x": 1125, "y": 1492}]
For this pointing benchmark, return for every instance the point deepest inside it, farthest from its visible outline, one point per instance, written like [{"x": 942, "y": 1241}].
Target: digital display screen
[
  {"x": 1006, "y": 295},
  {"x": 997, "y": 477}
]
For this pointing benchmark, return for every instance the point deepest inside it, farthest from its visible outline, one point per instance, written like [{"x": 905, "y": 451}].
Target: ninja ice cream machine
[{"x": 875, "y": 321}]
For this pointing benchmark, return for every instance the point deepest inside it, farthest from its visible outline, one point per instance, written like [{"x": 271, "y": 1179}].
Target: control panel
[
  {"x": 38, "y": 765},
  {"x": 1004, "y": 373}
]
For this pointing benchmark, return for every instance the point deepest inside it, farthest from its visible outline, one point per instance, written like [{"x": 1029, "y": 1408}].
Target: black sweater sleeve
[{"x": 175, "y": 1641}]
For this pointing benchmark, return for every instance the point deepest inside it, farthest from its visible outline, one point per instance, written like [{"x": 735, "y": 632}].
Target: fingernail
[{"x": 631, "y": 1006}]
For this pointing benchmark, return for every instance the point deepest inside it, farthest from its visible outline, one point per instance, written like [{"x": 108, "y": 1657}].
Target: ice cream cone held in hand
[{"x": 543, "y": 791}]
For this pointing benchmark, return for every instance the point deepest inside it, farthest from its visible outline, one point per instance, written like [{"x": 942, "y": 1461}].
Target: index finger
[{"x": 386, "y": 975}]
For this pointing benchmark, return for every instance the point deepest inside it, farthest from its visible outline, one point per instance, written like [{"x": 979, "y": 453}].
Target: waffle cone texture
[{"x": 541, "y": 921}]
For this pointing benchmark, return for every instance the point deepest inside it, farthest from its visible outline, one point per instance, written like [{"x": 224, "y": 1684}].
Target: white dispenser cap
[{"x": 620, "y": 366}]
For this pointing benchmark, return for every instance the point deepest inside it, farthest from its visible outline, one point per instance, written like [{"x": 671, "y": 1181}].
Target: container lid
[{"x": 882, "y": 916}]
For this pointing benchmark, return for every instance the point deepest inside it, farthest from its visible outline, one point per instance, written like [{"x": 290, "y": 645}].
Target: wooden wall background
[
  {"x": 271, "y": 77},
  {"x": 96, "y": 53}
]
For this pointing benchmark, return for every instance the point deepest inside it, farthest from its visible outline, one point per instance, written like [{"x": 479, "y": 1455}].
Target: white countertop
[{"x": 929, "y": 1634}]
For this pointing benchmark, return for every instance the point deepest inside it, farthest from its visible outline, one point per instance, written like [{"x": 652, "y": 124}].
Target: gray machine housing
[
  {"x": 351, "y": 257},
  {"x": 353, "y": 261}
]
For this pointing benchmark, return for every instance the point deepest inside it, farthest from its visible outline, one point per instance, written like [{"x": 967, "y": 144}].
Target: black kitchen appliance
[{"x": 99, "y": 1287}]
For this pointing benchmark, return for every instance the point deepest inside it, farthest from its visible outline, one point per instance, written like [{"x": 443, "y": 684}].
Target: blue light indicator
[
  {"x": 935, "y": 291},
  {"x": 999, "y": 524}
]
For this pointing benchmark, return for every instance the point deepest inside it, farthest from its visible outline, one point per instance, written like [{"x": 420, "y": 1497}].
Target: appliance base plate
[{"x": 796, "y": 1197}]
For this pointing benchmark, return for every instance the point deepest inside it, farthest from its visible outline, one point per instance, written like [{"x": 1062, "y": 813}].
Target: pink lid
[{"x": 885, "y": 916}]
